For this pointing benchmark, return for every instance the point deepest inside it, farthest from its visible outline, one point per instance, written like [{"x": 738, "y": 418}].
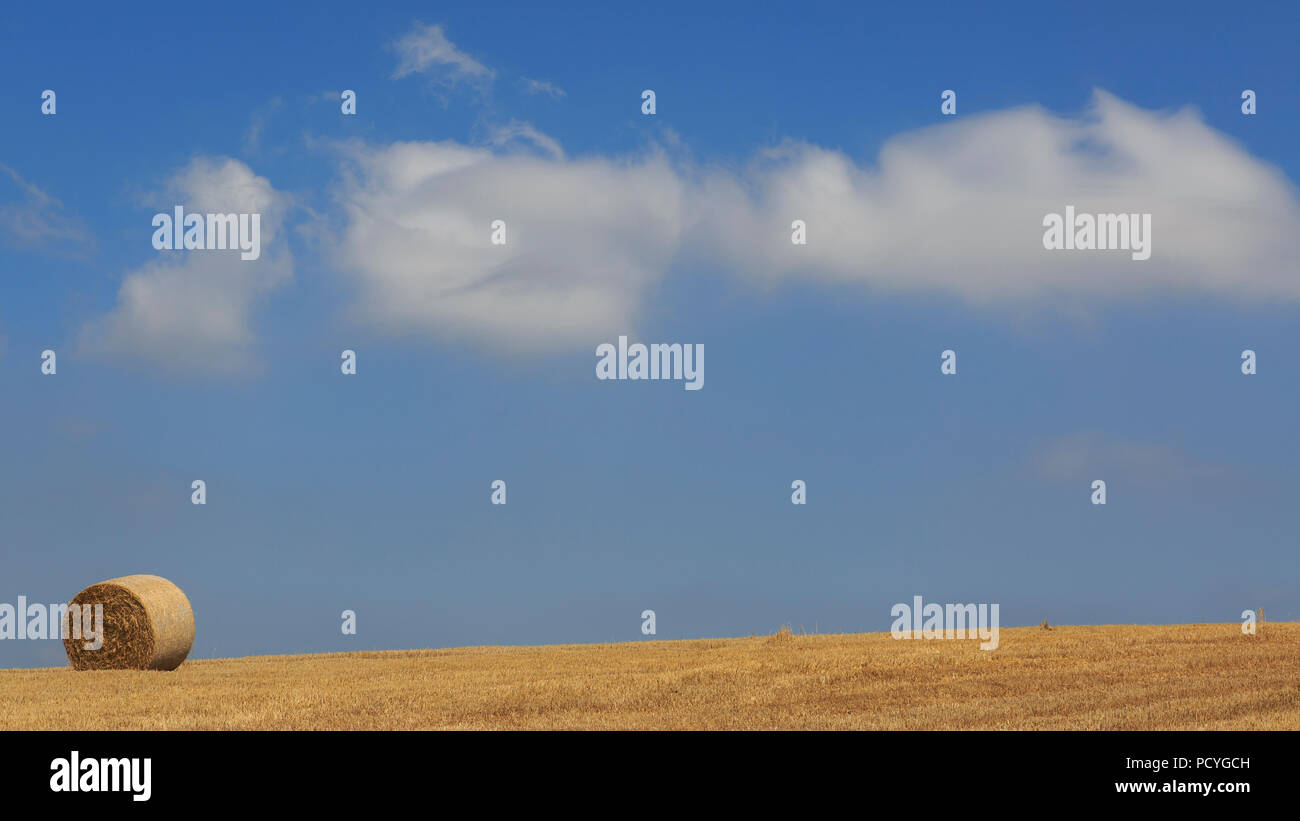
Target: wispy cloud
[
  {"x": 31, "y": 218},
  {"x": 257, "y": 124},
  {"x": 542, "y": 87},
  {"x": 516, "y": 130},
  {"x": 426, "y": 50},
  {"x": 1088, "y": 455}
]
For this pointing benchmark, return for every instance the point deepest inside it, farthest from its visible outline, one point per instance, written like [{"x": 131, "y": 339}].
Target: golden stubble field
[{"x": 1203, "y": 676}]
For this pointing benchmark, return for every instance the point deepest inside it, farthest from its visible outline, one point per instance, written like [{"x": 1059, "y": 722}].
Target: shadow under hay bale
[{"x": 148, "y": 625}]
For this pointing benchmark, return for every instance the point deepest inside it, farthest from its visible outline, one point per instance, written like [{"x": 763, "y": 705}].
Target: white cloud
[
  {"x": 584, "y": 238},
  {"x": 191, "y": 310},
  {"x": 542, "y": 87},
  {"x": 956, "y": 208},
  {"x": 425, "y": 49}
]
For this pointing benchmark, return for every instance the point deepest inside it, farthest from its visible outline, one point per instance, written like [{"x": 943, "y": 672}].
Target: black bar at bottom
[{"x": 331, "y": 770}]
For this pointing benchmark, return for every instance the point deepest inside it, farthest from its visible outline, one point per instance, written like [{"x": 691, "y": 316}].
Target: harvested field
[{"x": 1206, "y": 676}]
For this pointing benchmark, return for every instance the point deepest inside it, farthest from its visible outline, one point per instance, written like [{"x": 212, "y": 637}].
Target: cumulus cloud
[
  {"x": 956, "y": 208},
  {"x": 31, "y": 218},
  {"x": 192, "y": 310},
  {"x": 584, "y": 237},
  {"x": 425, "y": 49},
  {"x": 959, "y": 208}
]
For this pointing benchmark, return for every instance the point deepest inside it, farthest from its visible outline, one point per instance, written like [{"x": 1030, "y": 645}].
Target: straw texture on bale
[{"x": 148, "y": 625}]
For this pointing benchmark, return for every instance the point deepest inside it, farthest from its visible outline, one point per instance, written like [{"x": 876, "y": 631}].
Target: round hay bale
[{"x": 148, "y": 625}]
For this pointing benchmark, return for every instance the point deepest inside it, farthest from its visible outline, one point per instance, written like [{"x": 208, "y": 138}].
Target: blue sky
[{"x": 371, "y": 492}]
